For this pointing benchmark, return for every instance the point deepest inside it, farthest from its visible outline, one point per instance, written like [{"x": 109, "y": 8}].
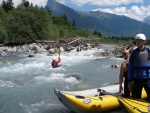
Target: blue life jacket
[{"x": 141, "y": 64}]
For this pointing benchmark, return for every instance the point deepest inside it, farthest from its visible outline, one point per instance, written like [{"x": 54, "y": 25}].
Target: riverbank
[
  {"x": 46, "y": 47},
  {"x": 51, "y": 47}
]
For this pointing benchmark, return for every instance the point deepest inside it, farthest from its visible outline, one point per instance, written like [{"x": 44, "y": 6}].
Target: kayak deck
[{"x": 135, "y": 106}]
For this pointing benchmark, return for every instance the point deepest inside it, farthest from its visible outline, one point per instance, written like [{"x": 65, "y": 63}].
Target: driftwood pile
[
  {"x": 117, "y": 51},
  {"x": 46, "y": 47}
]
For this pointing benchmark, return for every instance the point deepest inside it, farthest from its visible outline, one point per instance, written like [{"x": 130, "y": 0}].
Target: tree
[
  {"x": 61, "y": 33},
  {"x": 65, "y": 17},
  {"x": 50, "y": 13},
  {"x": 73, "y": 23},
  {"x": 97, "y": 33},
  {"x": 3, "y": 33},
  {"x": 3, "y": 21},
  {"x": 26, "y": 25},
  {"x": 7, "y": 6},
  {"x": 25, "y": 3},
  {"x": 84, "y": 32}
]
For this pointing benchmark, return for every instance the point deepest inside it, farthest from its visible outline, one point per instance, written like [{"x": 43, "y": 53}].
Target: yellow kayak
[
  {"x": 135, "y": 106},
  {"x": 91, "y": 101},
  {"x": 93, "y": 104}
]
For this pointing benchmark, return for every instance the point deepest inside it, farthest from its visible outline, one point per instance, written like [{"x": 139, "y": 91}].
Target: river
[{"x": 27, "y": 83}]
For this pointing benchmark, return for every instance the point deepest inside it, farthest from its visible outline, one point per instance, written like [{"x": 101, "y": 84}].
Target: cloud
[
  {"x": 39, "y": 2},
  {"x": 117, "y": 10},
  {"x": 81, "y": 2},
  {"x": 135, "y": 12},
  {"x": 105, "y": 2},
  {"x": 139, "y": 13},
  {"x": 61, "y": 1},
  {"x": 115, "y": 2}
]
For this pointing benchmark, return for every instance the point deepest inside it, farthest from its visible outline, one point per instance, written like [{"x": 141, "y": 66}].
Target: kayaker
[
  {"x": 124, "y": 74},
  {"x": 55, "y": 63},
  {"x": 139, "y": 68}
]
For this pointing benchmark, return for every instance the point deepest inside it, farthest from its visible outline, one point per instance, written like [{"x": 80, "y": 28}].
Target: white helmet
[{"x": 140, "y": 36}]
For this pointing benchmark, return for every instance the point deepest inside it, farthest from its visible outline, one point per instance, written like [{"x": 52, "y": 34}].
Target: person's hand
[
  {"x": 130, "y": 86},
  {"x": 120, "y": 88}
]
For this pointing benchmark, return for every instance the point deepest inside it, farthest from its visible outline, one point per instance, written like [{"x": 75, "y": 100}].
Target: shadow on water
[
  {"x": 120, "y": 109},
  {"x": 18, "y": 80},
  {"x": 57, "y": 110},
  {"x": 65, "y": 110}
]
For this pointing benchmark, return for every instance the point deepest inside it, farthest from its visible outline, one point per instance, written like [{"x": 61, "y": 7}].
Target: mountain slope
[
  {"x": 147, "y": 20},
  {"x": 106, "y": 23}
]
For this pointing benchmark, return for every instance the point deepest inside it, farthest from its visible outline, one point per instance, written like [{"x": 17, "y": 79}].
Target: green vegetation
[{"x": 27, "y": 23}]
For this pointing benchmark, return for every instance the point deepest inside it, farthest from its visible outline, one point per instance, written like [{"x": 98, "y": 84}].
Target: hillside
[
  {"x": 106, "y": 23},
  {"x": 147, "y": 20}
]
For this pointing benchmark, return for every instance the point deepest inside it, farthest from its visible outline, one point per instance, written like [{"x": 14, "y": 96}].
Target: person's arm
[
  {"x": 59, "y": 60},
  {"x": 122, "y": 70}
]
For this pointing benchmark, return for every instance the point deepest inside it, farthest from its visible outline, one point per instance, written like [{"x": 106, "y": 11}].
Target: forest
[{"x": 27, "y": 23}]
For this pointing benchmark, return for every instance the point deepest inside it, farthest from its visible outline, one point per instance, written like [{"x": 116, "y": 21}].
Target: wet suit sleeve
[{"x": 130, "y": 68}]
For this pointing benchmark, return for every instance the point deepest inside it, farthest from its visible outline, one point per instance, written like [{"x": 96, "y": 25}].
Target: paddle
[{"x": 59, "y": 53}]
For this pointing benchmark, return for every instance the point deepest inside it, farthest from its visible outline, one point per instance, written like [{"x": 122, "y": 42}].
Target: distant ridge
[
  {"x": 106, "y": 23},
  {"x": 147, "y": 20}
]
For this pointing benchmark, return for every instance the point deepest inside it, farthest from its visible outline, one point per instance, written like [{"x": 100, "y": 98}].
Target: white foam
[
  {"x": 55, "y": 77},
  {"x": 6, "y": 84},
  {"x": 36, "y": 66},
  {"x": 32, "y": 107},
  {"x": 72, "y": 80}
]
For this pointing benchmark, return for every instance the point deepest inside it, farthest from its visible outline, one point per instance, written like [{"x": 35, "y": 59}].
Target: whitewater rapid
[{"x": 27, "y": 83}]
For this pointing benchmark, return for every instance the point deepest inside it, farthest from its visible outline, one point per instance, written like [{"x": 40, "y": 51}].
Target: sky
[{"x": 136, "y": 9}]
